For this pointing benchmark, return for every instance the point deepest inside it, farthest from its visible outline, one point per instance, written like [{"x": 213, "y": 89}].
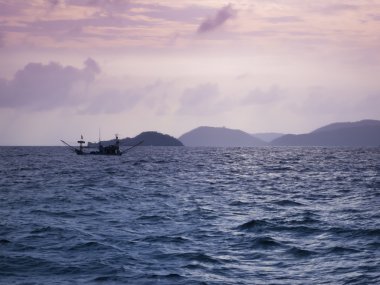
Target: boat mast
[
  {"x": 100, "y": 144},
  {"x": 81, "y": 142},
  {"x": 117, "y": 143}
]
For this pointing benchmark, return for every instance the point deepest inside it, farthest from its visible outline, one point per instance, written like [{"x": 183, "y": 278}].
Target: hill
[
  {"x": 152, "y": 139},
  {"x": 219, "y": 137},
  {"x": 353, "y": 134},
  {"x": 337, "y": 126},
  {"x": 149, "y": 138}
]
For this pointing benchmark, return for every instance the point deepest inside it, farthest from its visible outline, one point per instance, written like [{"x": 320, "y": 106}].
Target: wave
[
  {"x": 160, "y": 278},
  {"x": 254, "y": 225},
  {"x": 91, "y": 245},
  {"x": 153, "y": 218},
  {"x": 355, "y": 232},
  {"x": 303, "y": 230},
  {"x": 300, "y": 253},
  {"x": 47, "y": 229},
  {"x": 140, "y": 161},
  {"x": 190, "y": 216},
  {"x": 166, "y": 239},
  {"x": 4, "y": 241},
  {"x": 264, "y": 242},
  {"x": 341, "y": 250},
  {"x": 11, "y": 265},
  {"x": 278, "y": 168},
  {"x": 239, "y": 203},
  {"x": 60, "y": 214},
  {"x": 188, "y": 258},
  {"x": 198, "y": 257},
  {"x": 288, "y": 203},
  {"x": 298, "y": 227}
]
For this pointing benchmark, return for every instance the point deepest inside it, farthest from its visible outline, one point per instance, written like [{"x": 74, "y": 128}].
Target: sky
[{"x": 72, "y": 67}]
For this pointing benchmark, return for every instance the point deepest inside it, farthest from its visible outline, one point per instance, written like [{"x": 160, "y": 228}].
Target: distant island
[
  {"x": 351, "y": 134},
  {"x": 364, "y": 133},
  {"x": 219, "y": 137},
  {"x": 150, "y": 139}
]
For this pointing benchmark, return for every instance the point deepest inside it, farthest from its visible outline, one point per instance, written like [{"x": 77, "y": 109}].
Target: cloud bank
[
  {"x": 203, "y": 100},
  {"x": 262, "y": 97},
  {"x": 42, "y": 87},
  {"x": 112, "y": 101}
]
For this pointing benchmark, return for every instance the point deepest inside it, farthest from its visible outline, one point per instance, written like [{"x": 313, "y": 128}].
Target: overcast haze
[{"x": 71, "y": 67}]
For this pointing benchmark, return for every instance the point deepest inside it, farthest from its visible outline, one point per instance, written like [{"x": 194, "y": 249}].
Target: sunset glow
[{"x": 71, "y": 67}]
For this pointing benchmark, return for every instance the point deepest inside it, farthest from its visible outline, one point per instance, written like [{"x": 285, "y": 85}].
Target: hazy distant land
[
  {"x": 355, "y": 134},
  {"x": 150, "y": 138},
  {"x": 220, "y": 137},
  {"x": 361, "y": 133}
]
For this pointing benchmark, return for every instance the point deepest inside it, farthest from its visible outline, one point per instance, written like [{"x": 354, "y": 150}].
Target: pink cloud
[
  {"x": 262, "y": 97},
  {"x": 40, "y": 86},
  {"x": 283, "y": 19},
  {"x": 203, "y": 99},
  {"x": 106, "y": 6},
  {"x": 375, "y": 17},
  {"x": 113, "y": 101},
  {"x": 212, "y": 23},
  {"x": 338, "y": 8}
]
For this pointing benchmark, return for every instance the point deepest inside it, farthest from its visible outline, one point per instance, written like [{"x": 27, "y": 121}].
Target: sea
[{"x": 187, "y": 215}]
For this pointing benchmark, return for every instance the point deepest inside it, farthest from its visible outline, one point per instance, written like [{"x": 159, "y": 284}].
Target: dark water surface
[{"x": 190, "y": 216}]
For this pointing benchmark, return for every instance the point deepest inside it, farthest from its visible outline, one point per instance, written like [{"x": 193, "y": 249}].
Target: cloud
[
  {"x": 204, "y": 99},
  {"x": 326, "y": 101},
  {"x": 66, "y": 29},
  {"x": 113, "y": 101},
  {"x": 212, "y": 23},
  {"x": 262, "y": 97},
  {"x": 338, "y": 8},
  {"x": 41, "y": 87},
  {"x": 152, "y": 96},
  {"x": 186, "y": 14},
  {"x": 283, "y": 19},
  {"x": 368, "y": 107},
  {"x": 72, "y": 23},
  {"x": 109, "y": 7},
  {"x": 375, "y": 17},
  {"x": 2, "y": 40},
  {"x": 54, "y": 3},
  {"x": 12, "y": 8}
]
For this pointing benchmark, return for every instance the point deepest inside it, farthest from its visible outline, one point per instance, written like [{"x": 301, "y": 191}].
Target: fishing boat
[{"x": 112, "y": 149}]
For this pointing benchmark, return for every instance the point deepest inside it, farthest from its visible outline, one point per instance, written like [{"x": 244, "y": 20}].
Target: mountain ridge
[
  {"x": 150, "y": 138},
  {"x": 219, "y": 137},
  {"x": 350, "y": 134},
  {"x": 341, "y": 125}
]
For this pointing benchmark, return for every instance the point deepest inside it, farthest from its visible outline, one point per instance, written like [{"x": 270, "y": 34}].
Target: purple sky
[{"x": 70, "y": 67}]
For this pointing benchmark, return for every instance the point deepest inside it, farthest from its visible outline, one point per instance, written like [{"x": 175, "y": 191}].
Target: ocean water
[{"x": 177, "y": 215}]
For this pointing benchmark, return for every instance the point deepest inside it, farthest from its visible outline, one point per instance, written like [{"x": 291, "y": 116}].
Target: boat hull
[{"x": 80, "y": 152}]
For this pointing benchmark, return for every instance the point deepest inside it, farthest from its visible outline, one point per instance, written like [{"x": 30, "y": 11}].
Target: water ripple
[{"x": 171, "y": 215}]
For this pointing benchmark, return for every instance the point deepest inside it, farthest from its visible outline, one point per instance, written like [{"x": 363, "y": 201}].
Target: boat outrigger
[{"x": 113, "y": 149}]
